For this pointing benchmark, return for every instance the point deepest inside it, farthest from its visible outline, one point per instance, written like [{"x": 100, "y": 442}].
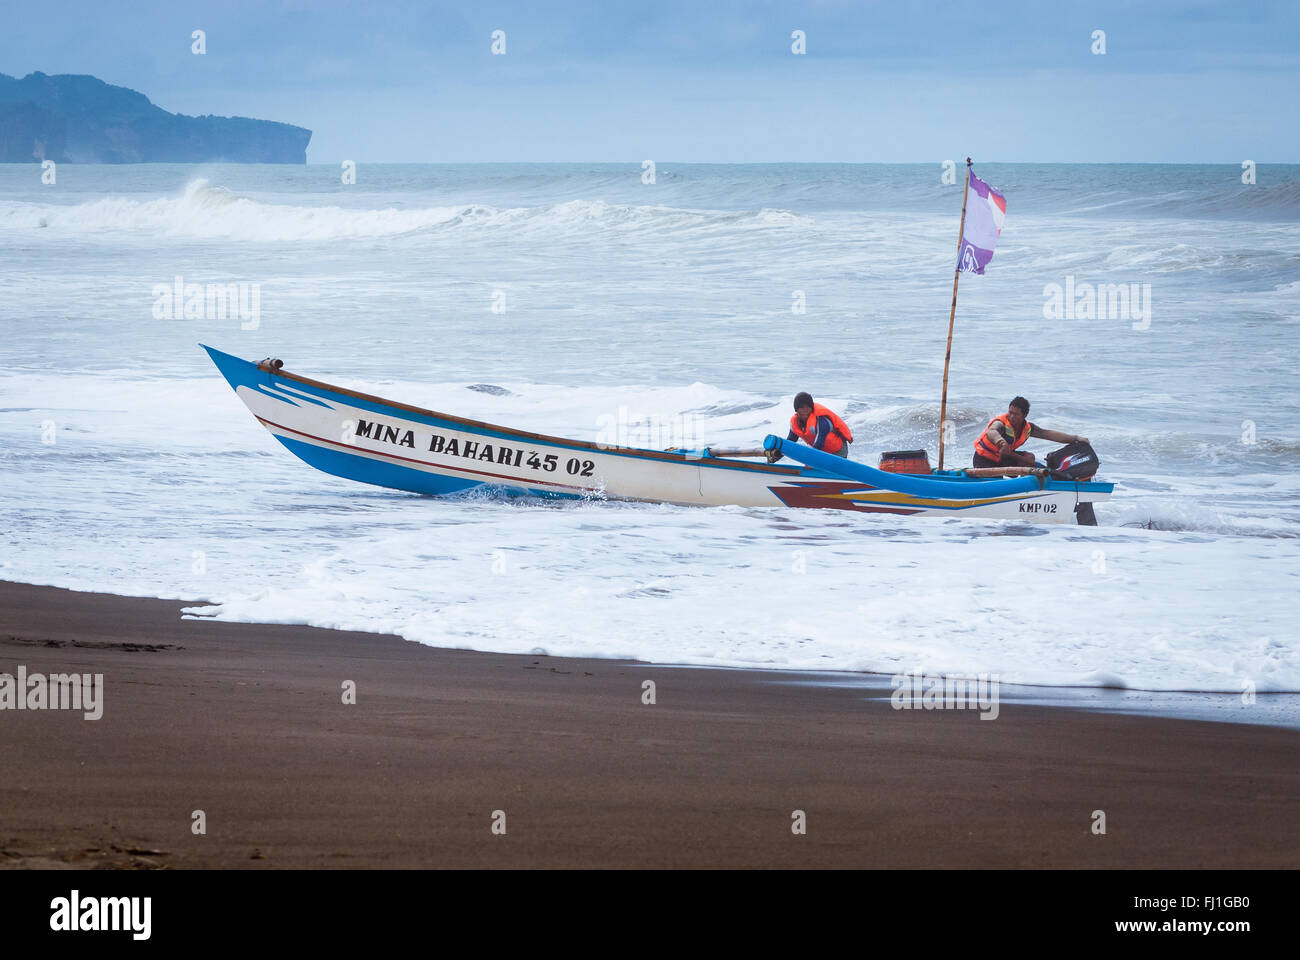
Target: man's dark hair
[
  {"x": 802, "y": 400},
  {"x": 1021, "y": 404}
]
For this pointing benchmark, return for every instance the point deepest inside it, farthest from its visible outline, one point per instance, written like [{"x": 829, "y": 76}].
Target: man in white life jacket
[{"x": 996, "y": 446}]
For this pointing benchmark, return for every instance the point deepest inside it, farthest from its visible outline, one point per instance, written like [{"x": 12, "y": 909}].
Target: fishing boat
[{"x": 371, "y": 440}]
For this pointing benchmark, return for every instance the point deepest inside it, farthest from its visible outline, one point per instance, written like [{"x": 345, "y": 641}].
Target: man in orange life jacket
[
  {"x": 996, "y": 446},
  {"x": 819, "y": 427}
]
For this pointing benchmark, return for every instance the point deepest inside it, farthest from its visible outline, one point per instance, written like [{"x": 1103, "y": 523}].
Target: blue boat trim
[
  {"x": 399, "y": 477},
  {"x": 379, "y": 472}
]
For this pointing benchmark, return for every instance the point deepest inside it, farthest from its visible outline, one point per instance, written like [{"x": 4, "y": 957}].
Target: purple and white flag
[{"x": 985, "y": 214}]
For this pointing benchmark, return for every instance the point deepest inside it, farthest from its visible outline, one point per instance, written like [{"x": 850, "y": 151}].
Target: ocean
[{"x": 563, "y": 297}]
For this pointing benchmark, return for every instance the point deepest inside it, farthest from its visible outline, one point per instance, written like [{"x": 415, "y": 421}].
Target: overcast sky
[{"x": 705, "y": 80}]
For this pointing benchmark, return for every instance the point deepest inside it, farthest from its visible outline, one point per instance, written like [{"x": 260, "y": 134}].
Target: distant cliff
[{"x": 80, "y": 119}]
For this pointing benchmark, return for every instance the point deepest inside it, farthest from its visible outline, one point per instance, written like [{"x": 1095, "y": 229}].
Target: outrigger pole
[{"x": 952, "y": 314}]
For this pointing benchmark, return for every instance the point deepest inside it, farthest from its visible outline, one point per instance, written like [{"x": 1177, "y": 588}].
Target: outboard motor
[{"x": 1076, "y": 461}]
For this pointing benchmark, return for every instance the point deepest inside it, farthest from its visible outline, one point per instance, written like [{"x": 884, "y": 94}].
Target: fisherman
[
  {"x": 819, "y": 427},
  {"x": 996, "y": 446}
]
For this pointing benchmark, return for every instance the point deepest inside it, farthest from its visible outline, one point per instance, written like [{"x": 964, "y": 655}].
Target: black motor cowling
[{"x": 1075, "y": 461}]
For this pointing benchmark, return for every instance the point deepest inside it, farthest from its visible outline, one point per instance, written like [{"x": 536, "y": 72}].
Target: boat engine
[{"x": 1075, "y": 461}]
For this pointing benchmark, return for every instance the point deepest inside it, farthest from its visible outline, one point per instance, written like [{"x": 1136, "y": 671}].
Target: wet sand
[{"x": 247, "y": 723}]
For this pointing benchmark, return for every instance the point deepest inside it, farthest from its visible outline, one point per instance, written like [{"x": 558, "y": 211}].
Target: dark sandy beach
[{"x": 247, "y": 724}]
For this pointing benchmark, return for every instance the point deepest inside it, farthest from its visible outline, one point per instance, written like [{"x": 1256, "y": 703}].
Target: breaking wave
[{"x": 204, "y": 211}]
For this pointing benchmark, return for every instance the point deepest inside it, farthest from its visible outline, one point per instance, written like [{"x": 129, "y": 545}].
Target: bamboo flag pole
[{"x": 952, "y": 314}]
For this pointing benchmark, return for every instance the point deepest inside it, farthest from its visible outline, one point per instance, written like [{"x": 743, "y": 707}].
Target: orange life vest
[
  {"x": 986, "y": 449},
  {"x": 840, "y": 433}
]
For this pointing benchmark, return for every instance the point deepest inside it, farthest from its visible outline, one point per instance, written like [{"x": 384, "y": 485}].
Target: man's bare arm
[{"x": 1055, "y": 436}]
